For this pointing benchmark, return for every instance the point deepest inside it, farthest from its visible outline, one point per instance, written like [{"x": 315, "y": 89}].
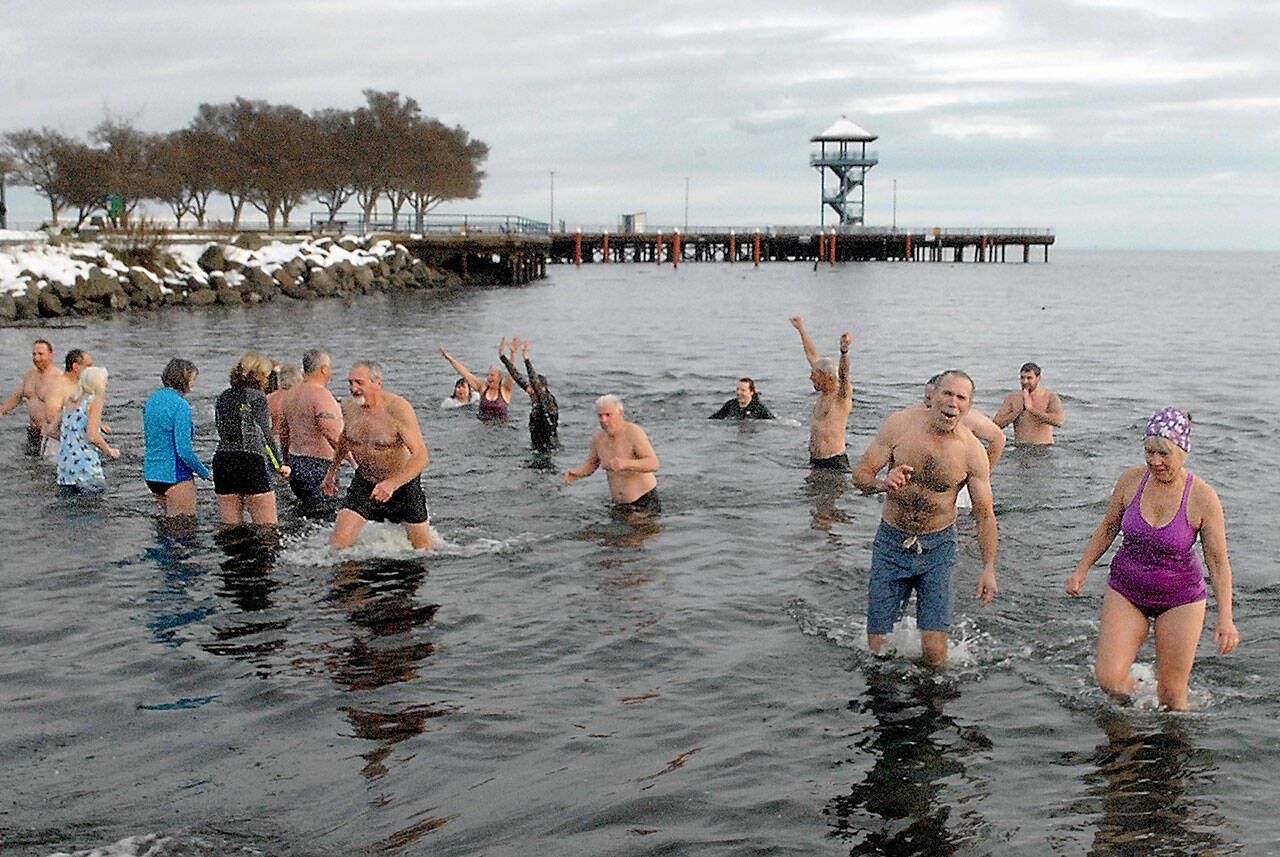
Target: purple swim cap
[{"x": 1173, "y": 424}]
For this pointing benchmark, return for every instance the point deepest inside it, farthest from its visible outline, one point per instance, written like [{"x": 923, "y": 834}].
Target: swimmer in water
[
  {"x": 544, "y": 412},
  {"x": 1034, "y": 411},
  {"x": 495, "y": 390},
  {"x": 37, "y": 388},
  {"x": 382, "y": 435},
  {"x": 929, "y": 454},
  {"x": 1156, "y": 579},
  {"x": 461, "y": 396},
  {"x": 624, "y": 451},
  {"x": 745, "y": 405},
  {"x": 835, "y": 401}
]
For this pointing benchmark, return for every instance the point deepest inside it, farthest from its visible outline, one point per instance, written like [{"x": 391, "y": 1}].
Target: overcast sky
[{"x": 1117, "y": 123}]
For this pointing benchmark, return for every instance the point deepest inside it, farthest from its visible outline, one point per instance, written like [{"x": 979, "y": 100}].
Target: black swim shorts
[
  {"x": 240, "y": 473},
  {"x": 408, "y": 505},
  {"x": 646, "y": 503},
  {"x": 835, "y": 462}
]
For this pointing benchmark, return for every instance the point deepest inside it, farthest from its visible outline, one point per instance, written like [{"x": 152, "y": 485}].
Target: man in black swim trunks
[
  {"x": 623, "y": 450},
  {"x": 381, "y": 432},
  {"x": 835, "y": 401}
]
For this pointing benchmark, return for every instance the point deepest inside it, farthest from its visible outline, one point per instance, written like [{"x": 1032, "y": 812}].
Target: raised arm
[
  {"x": 846, "y": 385},
  {"x": 472, "y": 381},
  {"x": 810, "y": 350}
]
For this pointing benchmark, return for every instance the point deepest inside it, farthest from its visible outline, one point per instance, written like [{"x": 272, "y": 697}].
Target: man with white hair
[
  {"x": 623, "y": 449},
  {"x": 835, "y": 401}
]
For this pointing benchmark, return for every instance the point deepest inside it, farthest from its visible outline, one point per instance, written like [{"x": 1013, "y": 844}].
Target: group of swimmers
[{"x": 929, "y": 453}]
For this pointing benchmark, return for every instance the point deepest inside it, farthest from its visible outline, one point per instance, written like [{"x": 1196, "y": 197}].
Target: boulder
[
  {"x": 213, "y": 259},
  {"x": 363, "y": 276},
  {"x": 49, "y": 304},
  {"x": 8, "y": 308},
  {"x": 249, "y": 241},
  {"x": 25, "y": 306},
  {"x": 145, "y": 286},
  {"x": 322, "y": 282},
  {"x": 202, "y": 297}
]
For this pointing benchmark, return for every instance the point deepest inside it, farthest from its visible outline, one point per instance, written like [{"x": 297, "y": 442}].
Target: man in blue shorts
[{"x": 930, "y": 455}]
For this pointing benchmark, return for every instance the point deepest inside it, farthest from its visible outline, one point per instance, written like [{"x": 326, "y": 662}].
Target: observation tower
[{"x": 843, "y": 150}]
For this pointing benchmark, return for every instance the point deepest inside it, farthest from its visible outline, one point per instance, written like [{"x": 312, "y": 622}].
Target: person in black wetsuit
[
  {"x": 247, "y": 452},
  {"x": 544, "y": 415},
  {"x": 745, "y": 406}
]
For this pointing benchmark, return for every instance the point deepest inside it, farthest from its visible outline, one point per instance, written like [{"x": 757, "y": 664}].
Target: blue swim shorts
[{"x": 901, "y": 563}]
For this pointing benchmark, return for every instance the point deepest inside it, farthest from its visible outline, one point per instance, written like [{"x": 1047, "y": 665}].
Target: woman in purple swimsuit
[
  {"x": 1155, "y": 575},
  {"x": 495, "y": 390}
]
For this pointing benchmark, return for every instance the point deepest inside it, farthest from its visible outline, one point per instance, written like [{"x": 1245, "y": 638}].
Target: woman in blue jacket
[{"x": 170, "y": 465}]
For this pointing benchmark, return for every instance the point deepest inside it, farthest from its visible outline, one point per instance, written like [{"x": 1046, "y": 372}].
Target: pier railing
[{"x": 355, "y": 223}]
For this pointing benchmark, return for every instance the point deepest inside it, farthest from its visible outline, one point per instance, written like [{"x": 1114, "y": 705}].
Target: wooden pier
[
  {"x": 492, "y": 258},
  {"x": 800, "y": 244}
]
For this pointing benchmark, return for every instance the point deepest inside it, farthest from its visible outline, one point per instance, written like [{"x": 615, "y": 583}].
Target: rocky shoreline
[{"x": 48, "y": 278}]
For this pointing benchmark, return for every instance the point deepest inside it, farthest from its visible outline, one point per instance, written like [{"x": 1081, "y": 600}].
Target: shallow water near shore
[{"x": 554, "y": 681}]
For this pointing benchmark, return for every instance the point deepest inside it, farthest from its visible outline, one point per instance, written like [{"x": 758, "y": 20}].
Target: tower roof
[{"x": 844, "y": 130}]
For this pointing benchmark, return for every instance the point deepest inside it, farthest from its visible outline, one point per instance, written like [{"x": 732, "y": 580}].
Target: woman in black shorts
[{"x": 247, "y": 452}]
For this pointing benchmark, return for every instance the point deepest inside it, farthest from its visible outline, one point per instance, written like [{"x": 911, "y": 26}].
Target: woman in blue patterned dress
[{"x": 79, "y": 467}]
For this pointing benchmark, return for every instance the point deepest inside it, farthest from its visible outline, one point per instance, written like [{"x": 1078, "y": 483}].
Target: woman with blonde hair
[
  {"x": 79, "y": 467},
  {"x": 246, "y": 451}
]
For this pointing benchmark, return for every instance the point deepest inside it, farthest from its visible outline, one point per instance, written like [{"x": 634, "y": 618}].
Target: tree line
[{"x": 271, "y": 157}]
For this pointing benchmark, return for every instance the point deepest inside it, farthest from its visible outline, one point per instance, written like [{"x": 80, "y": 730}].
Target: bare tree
[
  {"x": 126, "y": 150},
  {"x": 441, "y": 164},
  {"x": 35, "y": 156},
  {"x": 333, "y": 158}
]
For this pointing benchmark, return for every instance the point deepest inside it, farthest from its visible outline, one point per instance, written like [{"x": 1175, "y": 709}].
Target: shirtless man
[
  {"x": 36, "y": 388},
  {"x": 1034, "y": 411},
  {"x": 835, "y": 401},
  {"x": 623, "y": 449},
  {"x": 310, "y": 425},
  {"x": 929, "y": 455},
  {"x": 76, "y": 360},
  {"x": 382, "y": 435}
]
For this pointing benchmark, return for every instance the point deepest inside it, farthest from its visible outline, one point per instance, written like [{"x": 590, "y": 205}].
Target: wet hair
[
  {"x": 751, "y": 385},
  {"x": 314, "y": 360},
  {"x": 935, "y": 379},
  {"x": 825, "y": 366},
  {"x": 46, "y": 343},
  {"x": 290, "y": 376},
  {"x": 609, "y": 401},
  {"x": 373, "y": 367},
  {"x": 74, "y": 356},
  {"x": 251, "y": 370},
  {"x": 959, "y": 373},
  {"x": 1029, "y": 367},
  {"x": 93, "y": 381},
  {"x": 178, "y": 374}
]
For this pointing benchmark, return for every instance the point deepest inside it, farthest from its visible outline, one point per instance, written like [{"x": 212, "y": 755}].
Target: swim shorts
[
  {"x": 240, "y": 473},
  {"x": 902, "y": 562},
  {"x": 408, "y": 505},
  {"x": 34, "y": 436},
  {"x": 50, "y": 448},
  {"x": 646, "y": 503},
  {"x": 835, "y": 462},
  {"x": 306, "y": 476}
]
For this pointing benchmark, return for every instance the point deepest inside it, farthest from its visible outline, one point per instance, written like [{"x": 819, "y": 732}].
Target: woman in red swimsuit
[{"x": 1156, "y": 577}]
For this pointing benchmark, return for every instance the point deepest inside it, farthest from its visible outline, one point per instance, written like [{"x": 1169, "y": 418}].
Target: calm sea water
[{"x": 554, "y": 682}]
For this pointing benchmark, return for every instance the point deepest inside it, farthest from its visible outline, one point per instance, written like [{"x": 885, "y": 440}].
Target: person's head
[
  {"x": 365, "y": 382},
  {"x": 290, "y": 376},
  {"x": 746, "y": 391},
  {"x": 952, "y": 399},
  {"x": 1029, "y": 376},
  {"x": 494, "y": 379},
  {"x": 929, "y": 387},
  {"x": 179, "y": 375},
  {"x": 93, "y": 382},
  {"x": 251, "y": 370},
  {"x": 1167, "y": 439},
  {"x": 609, "y": 412},
  {"x": 42, "y": 354},
  {"x": 77, "y": 360},
  {"x": 461, "y": 390},
  {"x": 316, "y": 363},
  {"x": 823, "y": 375}
]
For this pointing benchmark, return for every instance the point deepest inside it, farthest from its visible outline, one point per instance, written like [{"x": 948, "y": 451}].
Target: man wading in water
[{"x": 930, "y": 455}]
